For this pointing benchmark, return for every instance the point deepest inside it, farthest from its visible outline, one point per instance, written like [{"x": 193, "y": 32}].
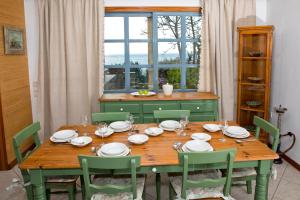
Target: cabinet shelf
[
  {"x": 248, "y": 108},
  {"x": 253, "y": 84},
  {"x": 254, "y": 58}
]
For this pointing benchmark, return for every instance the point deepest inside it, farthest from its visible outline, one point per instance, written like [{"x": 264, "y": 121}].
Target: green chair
[
  {"x": 66, "y": 183},
  {"x": 170, "y": 114},
  {"x": 205, "y": 184},
  {"x": 107, "y": 187},
  {"x": 109, "y": 116},
  {"x": 249, "y": 174}
]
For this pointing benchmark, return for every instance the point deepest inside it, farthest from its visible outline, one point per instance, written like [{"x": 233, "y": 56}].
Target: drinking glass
[
  {"x": 84, "y": 120},
  {"x": 101, "y": 130},
  {"x": 179, "y": 130},
  {"x": 184, "y": 122},
  {"x": 131, "y": 123}
]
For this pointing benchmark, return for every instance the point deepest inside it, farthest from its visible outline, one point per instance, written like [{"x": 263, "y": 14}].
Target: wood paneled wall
[{"x": 15, "y": 103}]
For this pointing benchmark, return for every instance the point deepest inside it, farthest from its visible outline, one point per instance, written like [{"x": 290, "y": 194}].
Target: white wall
[
  {"x": 285, "y": 15},
  {"x": 261, "y": 12}
]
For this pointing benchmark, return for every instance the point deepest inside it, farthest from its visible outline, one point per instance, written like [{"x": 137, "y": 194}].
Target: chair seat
[
  {"x": 242, "y": 172},
  {"x": 199, "y": 193},
  {"x": 62, "y": 179},
  {"x": 140, "y": 182}
]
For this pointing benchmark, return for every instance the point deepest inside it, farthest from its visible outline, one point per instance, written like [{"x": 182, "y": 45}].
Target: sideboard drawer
[
  {"x": 199, "y": 107},
  {"x": 200, "y": 118},
  {"x": 149, "y": 108},
  {"x": 120, "y": 107}
]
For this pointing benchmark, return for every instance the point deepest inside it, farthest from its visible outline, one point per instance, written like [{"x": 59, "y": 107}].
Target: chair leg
[
  {"x": 29, "y": 192},
  {"x": 171, "y": 194},
  {"x": 158, "y": 185},
  {"x": 48, "y": 193},
  {"x": 71, "y": 192},
  {"x": 249, "y": 186},
  {"x": 82, "y": 187}
]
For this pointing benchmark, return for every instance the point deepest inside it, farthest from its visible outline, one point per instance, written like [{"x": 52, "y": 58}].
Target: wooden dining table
[{"x": 157, "y": 155}]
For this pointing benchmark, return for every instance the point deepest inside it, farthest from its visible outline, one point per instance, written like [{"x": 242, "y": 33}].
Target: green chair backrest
[
  {"x": 223, "y": 157},
  {"x": 93, "y": 163},
  {"x": 170, "y": 114},
  {"x": 109, "y": 116},
  {"x": 268, "y": 128},
  {"x": 20, "y": 137}
]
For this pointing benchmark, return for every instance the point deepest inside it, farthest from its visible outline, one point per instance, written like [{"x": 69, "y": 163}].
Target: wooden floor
[{"x": 286, "y": 185}]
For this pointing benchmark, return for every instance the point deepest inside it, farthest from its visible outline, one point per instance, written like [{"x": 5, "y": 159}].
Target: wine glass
[
  {"x": 102, "y": 129},
  {"x": 179, "y": 129}
]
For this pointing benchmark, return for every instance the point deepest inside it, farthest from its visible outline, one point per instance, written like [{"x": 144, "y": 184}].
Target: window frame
[{"x": 183, "y": 65}]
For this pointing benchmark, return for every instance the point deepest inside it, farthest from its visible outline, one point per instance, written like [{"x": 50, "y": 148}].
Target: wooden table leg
[
  {"x": 38, "y": 183},
  {"x": 158, "y": 185},
  {"x": 263, "y": 170}
]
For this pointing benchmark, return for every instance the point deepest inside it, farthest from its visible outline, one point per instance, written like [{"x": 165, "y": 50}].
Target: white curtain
[
  {"x": 219, "y": 49},
  {"x": 70, "y": 60}
]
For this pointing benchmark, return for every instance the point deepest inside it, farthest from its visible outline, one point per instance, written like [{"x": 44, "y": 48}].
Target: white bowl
[
  {"x": 138, "y": 138},
  {"x": 81, "y": 141}
]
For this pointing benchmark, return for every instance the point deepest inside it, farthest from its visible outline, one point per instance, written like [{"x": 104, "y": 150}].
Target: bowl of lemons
[{"x": 143, "y": 93}]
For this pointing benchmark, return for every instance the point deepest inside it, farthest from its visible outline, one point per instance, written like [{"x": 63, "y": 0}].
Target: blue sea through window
[{"x": 147, "y": 50}]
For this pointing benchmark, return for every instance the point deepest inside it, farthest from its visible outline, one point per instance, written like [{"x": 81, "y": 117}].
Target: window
[{"x": 147, "y": 50}]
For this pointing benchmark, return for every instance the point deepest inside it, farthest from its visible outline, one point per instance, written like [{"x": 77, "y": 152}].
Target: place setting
[
  {"x": 173, "y": 125},
  {"x": 114, "y": 149},
  {"x": 193, "y": 146},
  {"x": 70, "y": 137}
]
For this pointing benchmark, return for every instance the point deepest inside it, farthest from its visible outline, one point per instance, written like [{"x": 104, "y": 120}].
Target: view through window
[{"x": 147, "y": 50}]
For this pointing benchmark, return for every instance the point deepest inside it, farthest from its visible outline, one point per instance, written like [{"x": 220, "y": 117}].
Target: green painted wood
[
  {"x": 109, "y": 116},
  {"x": 225, "y": 157},
  {"x": 171, "y": 114},
  {"x": 94, "y": 163},
  {"x": 122, "y": 107},
  {"x": 31, "y": 131},
  {"x": 270, "y": 129},
  {"x": 263, "y": 170},
  {"x": 143, "y": 110},
  {"x": 149, "y": 108}
]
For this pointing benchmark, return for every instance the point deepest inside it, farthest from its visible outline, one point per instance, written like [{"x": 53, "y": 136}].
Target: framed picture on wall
[{"x": 13, "y": 40}]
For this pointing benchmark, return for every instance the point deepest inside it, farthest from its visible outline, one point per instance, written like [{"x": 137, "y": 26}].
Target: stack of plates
[
  {"x": 120, "y": 126},
  {"x": 138, "y": 138},
  {"x": 104, "y": 131},
  {"x": 197, "y": 146},
  {"x": 236, "y": 132},
  {"x": 201, "y": 136},
  {"x": 169, "y": 125},
  {"x": 212, "y": 127},
  {"x": 113, "y": 149},
  {"x": 154, "y": 131},
  {"x": 63, "y": 136}
]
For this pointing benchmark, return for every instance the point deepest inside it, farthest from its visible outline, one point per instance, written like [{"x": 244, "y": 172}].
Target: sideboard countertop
[{"x": 159, "y": 97}]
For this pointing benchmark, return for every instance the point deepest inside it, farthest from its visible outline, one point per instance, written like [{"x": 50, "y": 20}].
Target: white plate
[
  {"x": 119, "y": 125},
  {"x": 237, "y": 136},
  {"x": 197, "y": 146},
  {"x": 211, "y": 127},
  {"x": 64, "y": 134},
  {"x": 201, "y": 136},
  {"x": 138, "y": 138},
  {"x": 184, "y": 149},
  {"x": 169, "y": 125},
  {"x": 108, "y": 132},
  {"x": 81, "y": 141},
  {"x": 113, "y": 149},
  {"x": 154, "y": 131},
  {"x": 150, "y": 93},
  {"x": 125, "y": 153},
  {"x": 236, "y": 130},
  {"x": 52, "y": 139}
]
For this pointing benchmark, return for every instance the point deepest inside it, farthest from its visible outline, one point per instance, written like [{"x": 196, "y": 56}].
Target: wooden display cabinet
[{"x": 254, "y": 74}]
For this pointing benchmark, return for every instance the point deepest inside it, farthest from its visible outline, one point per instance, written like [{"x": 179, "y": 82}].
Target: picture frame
[{"x": 13, "y": 40}]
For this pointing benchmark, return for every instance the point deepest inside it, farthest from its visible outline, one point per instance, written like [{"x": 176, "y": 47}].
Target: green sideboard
[{"x": 203, "y": 106}]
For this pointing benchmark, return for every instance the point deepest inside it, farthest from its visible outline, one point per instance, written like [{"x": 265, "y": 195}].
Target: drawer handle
[
  {"x": 121, "y": 109},
  {"x": 159, "y": 109},
  {"x": 154, "y": 169},
  {"x": 198, "y": 108}
]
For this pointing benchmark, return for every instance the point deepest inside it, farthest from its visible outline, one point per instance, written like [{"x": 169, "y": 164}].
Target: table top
[
  {"x": 158, "y": 151},
  {"x": 159, "y": 97}
]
